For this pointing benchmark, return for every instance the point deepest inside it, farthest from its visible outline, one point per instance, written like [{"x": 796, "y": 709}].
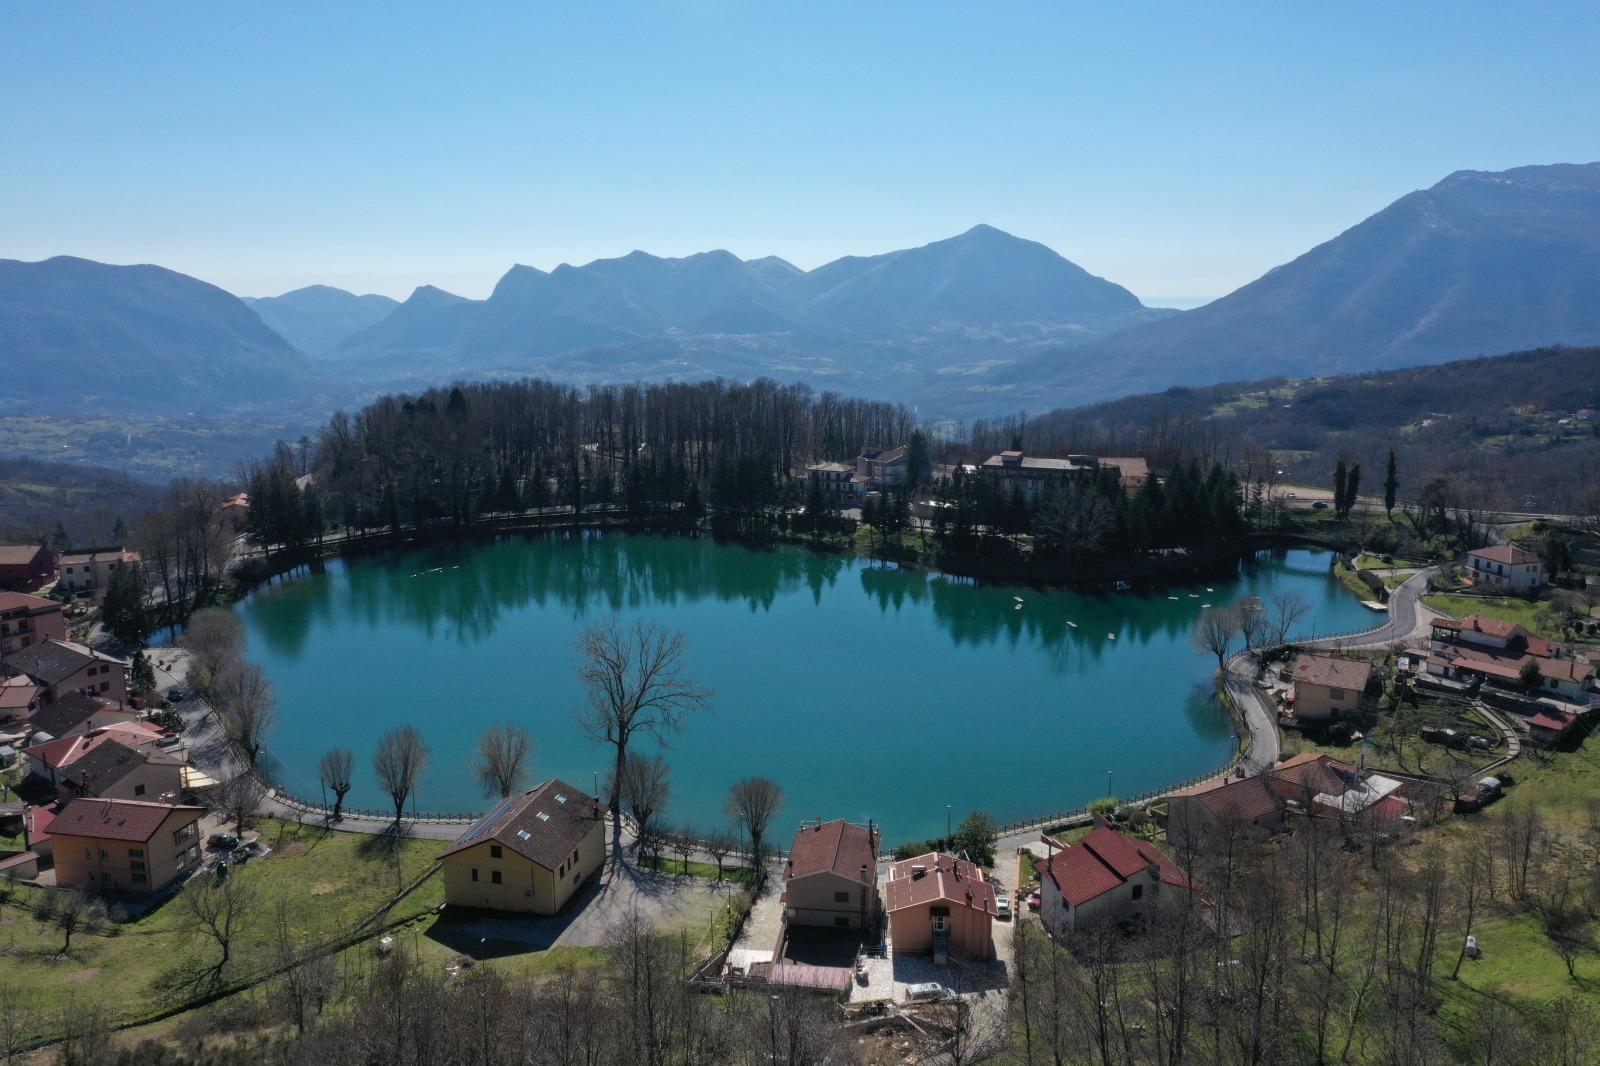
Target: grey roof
[
  {"x": 544, "y": 825},
  {"x": 69, "y": 712},
  {"x": 109, "y": 763},
  {"x": 49, "y": 662}
]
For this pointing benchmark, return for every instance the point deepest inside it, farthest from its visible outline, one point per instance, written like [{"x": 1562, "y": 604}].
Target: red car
[{"x": 1033, "y": 902}]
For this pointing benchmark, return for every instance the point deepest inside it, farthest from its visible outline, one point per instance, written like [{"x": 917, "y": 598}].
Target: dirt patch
[
  {"x": 321, "y": 889},
  {"x": 293, "y": 847},
  {"x": 82, "y": 976}
]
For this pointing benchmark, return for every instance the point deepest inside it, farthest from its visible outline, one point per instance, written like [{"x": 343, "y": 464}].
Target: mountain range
[
  {"x": 980, "y": 324},
  {"x": 80, "y": 336}
]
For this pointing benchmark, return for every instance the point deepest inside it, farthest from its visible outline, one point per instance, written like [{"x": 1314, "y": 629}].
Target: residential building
[
  {"x": 831, "y": 877},
  {"x": 125, "y": 846},
  {"x": 530, "y": 854},
  {"x": 25, "y": 567},
  {"x": 19, "y": 698},
  {"x": 77, "y": 712},
  {"x": 1505, "y": 566},
  {"x": 46, "y": 758},
  {"x": 62, "y": 667},
  {"x": 1494, "y": 650},
  {"x": 91, "y": 569},
  {"x": 1327, "y": 688},
  {"x": 233, "y": 514},
  {"x": 1105, "y": 877},
  {"x": 940, "y": 904},
  {"x": 26, "y": 620},
  {"x": 1322, "y": 786},
  {"x": 874, "y": 470},
  {"x": 1035, "y": 476},
  {"x": 1197, "y": 814},
  {"x": 120, "y": 761}
]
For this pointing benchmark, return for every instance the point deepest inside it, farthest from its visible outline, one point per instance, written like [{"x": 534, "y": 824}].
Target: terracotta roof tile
[
  {"x": 1331, "y": 672},
  {"x": 947, "y": 879},
  {"x": 839, "y": 847},
  {"x": 544, "y": 825},
  {"x": 117, "y": 819}
]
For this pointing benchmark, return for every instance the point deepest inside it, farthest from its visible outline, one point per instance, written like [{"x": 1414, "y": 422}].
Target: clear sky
[{"x": 1179, "y": 149}]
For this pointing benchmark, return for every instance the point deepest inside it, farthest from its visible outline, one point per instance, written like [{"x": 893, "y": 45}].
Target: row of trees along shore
[{"x": 675, "y": 452}]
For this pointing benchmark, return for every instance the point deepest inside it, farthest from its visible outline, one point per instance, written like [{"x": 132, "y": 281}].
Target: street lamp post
[
  {"x": 1109, "y": 791},
  {"x": 947, "y": 830}
]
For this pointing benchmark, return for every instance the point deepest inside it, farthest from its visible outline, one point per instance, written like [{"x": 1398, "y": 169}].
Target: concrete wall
[
  {"x": 971, "y": 931},
  {"x": 525, "y": 887},
  {"x": 810, "y": 900}
]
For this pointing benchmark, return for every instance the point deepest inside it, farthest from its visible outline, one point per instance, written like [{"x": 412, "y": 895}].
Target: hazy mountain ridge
[
  {"x": 846, "y": 321},
  {"x": 316, "y": 318},
  {"x": 1479, "y": 263},
  {"x": 84, "y": 336}
]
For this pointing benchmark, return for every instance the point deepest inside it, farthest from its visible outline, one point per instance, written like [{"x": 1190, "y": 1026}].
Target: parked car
[
  {"x": 1002, "y": 905},
  {"x": 1033, "y": 902},
  {"x": 928, "y": 990},
  {"x": 176, "y": 694},
  {"x": 1319, "y": 505},
  {"x": 223, "y": 841}
]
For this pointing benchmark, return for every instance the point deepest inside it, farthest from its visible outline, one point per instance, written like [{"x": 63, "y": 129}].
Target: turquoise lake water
[{"x": 865, "y": 692}]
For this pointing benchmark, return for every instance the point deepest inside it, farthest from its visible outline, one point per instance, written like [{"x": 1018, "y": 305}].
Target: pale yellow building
[
  {"x": 530, "y": 854},
  {"x": 1327, "y": 688}
]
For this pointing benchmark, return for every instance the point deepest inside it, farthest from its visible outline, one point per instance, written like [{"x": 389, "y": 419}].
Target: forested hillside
[{"x": 1500, "y": 429}]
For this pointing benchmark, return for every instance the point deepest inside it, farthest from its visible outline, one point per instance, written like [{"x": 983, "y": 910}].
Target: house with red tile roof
[
  {"x": 940, "y": 904},
  {"x": 91, "y": 569},
  {"x": 1328, "y": 688},
  {"x": 1196, "y": 814},
  {"x": 48, "y": 758},
  {"x": 19, "y": 697},
  {"x": 831, "y": 876},
  {"x": 1492, "y": 649},
  {"x": 27, "y": 620},
  {"x": 1105, "y": 877},
  {"x": 77, "y": 713},
  {"x": 125, "y": 846},
  {"x": 25, "y": 567},
  {"x": 1505, "y": 566}
]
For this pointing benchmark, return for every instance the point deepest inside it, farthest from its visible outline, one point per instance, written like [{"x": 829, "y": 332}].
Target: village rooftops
[
  {"x": 65, "y": 751},
  {"x": 938, "y": 877},
  {"x": 69, "y": 712},
  {"x": 833, "y": 468},
  {"x": 1102, "y": 861},
  {"x": 1016, "y": 460},
  {"x": 87, "y": 556},
  {"x": 1332, "y": 672},
  {"x": 115, "y": 819},
  {"x": 19, "y": 554},
  {"x": 16, "y": 695},
  {"x": 1241, "y": 799},
  {"x": 1506, "y": 554},
  {"x": 839, "y": 847},
  {"x": 52, "y": 661},
  {"x": 108, "y": 763},
  {"x": 543, "y": 825}
]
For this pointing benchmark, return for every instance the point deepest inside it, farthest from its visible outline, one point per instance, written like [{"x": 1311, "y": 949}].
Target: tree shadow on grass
[
  {"x": 381, "y": 847},
  {"x": 189, "y": 979}
]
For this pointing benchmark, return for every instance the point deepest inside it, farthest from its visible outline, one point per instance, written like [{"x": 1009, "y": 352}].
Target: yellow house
[
  {"x": 1328, "y": 688},
  {"x": 530, "y": 854},
  {"x": 125, "y": 846}
]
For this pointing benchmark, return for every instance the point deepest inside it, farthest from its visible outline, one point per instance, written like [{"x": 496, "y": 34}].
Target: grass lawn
[
  {"x": 327, "y": 882},
  {"x": 1505, "y": 607},
  {"x": 741, "y": 875}
]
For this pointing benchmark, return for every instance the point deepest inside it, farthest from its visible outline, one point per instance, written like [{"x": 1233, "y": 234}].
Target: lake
[{"x": 864, "y": 691}]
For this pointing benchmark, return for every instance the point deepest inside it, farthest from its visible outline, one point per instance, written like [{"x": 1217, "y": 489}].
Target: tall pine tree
[{"x": 1391, "y": 483}]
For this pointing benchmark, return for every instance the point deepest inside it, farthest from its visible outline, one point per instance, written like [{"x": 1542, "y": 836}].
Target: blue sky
[{"x": 1178, "y": 149}]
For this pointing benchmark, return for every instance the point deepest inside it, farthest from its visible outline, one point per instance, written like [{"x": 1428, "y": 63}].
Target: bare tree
[
  {"x": 645, "y": 788},
  {"x": 502, "y": 762},
  {"x": 752, "y": 803},
  {"x": 1213, "y": 631},
  {"x": 237, "y": 799},
  {"x": 1077, "y": 522},
  {"x": 17, "y": 1010},
  {"x": 335, "y": 768},
  {"x": 635, "y": 681},
  {"x": 1250, "y": 614},
  {"x": 214, "y": 637},
  {"x": 400, "y": 760},
  {"x": 246, "y": 704},
  {"x": 219, "y": 908},
  {"x": 72, "y": 910},
  {"x": 305, "y": 978},
  {"x": 719, "y": 844},
  {"x": 1287, "y": 610}
]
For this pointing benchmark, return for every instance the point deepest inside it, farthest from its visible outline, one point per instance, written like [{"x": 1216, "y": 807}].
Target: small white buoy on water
[
  {"x": 1174, "y": 598},
  {"x": 1074, "y": 625},
  {"x": 1111, "y": 636},
  {"x": 1018, "y": 607}
]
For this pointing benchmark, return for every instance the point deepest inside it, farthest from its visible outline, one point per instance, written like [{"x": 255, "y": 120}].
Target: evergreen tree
[
  {"x": 1339, "y": 476},
  {"x": 918, "y": 465},
  {"x": 143, "y": 675},
  {"x": 1391, "y": 484},
  {"x": 1352, "y": 489},
  {"x": 125, "y": 612}
]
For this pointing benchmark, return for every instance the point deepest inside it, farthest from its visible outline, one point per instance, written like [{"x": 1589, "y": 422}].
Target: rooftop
[
  {"x": 19, "y": 554},
  {"x": 21, "y": 601},
  {"x": 117, "y": 819},
  {"x": 1242, "y": 799},
  {"x": 838, "y": 847},
  {"x": 70, "y": 711},
  {"x": 543, "y": 825},
  {"x": 1508, "y": 554},
  {"x": 52, "y": 661},
  {"x": 1331, "y": 672},
  {"x": 1104, "y": 860},
  {"x": 943, "y": 878},
  {"x": 109, "y": 762}
]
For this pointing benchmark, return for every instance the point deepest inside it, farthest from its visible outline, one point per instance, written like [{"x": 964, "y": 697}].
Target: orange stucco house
[{"x": 941, "y": 904}]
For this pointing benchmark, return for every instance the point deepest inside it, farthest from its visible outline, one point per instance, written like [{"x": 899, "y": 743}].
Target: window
[
  {"x": 138, "y": 879},
  {"x": 185, "y": 833},
  {"x": 1138, "y": 890},
  {"x": 841, "y": 922},
  {"x": 1336, "y": 694},
  {"x": 136, "y": 864},
  {"x": 474, "y": 873},
  {"x": 841, "y": 897},
  {"x": 105, "y": 686},
  {"x": 138, "y": 790},
  {"x": 135, "y": 853},
  {"x": 938, "y": 923},
  {"x": 104, "y": 854},
  {"x": 495, "y": 851},
  {"x": 494, "y": 876}
]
